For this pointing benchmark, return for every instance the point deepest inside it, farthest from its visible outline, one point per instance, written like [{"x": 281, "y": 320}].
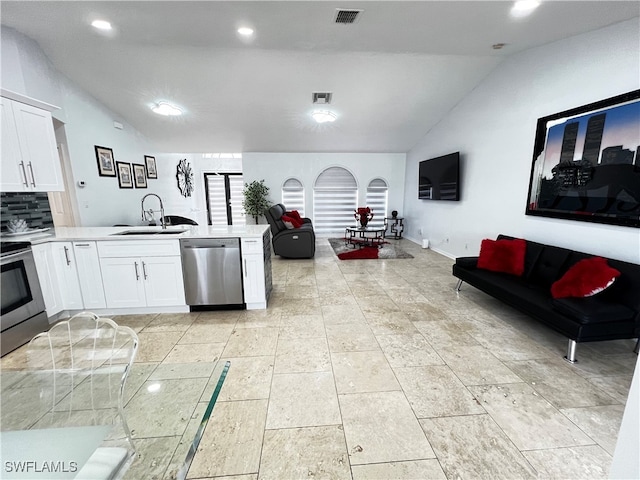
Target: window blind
[
  {"x": 377, "y": 195},
  {"x": 335, "y": 195},
  {"x": 293, "y": 195}
]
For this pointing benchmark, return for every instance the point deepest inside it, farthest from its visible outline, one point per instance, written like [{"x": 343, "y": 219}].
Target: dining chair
[{"x": 81, "y": 366}]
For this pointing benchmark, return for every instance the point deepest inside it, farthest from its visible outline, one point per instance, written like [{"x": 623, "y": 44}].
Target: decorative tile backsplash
[{"x": 32, "y": 207}]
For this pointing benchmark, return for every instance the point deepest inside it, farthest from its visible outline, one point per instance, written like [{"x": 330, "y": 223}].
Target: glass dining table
[{"x": 53, "y": 427}]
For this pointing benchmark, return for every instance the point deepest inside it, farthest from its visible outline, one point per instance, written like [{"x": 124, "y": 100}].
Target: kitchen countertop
[{"x": 68, "y": 234}]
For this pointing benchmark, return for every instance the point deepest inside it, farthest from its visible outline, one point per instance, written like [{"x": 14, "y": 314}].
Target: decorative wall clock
[{"x": 185, "y": 178}]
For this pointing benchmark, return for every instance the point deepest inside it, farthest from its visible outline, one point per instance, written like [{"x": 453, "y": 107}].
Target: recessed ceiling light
[
  {"x": 101, "y": 25},
  {"x": 324, "y": 116},
  {"x": 246, "y": 31},
  {"x": 522, "y": 8},
  {"x": 166, "y": 109}
]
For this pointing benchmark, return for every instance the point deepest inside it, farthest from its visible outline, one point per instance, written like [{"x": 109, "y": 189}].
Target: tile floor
[{"x": 372, "y": 370}]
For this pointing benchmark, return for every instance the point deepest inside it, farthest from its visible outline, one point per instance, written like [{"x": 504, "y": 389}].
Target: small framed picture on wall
[
  {"x": 139, "y": 175},
  {"x": 150, "y": 162},
  {"x": 106, "y": 164},
  {"x": 125, "y": 178}
]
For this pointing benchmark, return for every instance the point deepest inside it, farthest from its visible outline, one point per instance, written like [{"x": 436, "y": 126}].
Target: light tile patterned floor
[{"x": 373, "y": 369}]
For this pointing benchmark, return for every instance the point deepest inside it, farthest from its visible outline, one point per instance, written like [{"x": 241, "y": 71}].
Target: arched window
[
  {"x": 335, "y": 195},
  {"x": 293, "y": 195},
  {"x": 377, "y": 193}
]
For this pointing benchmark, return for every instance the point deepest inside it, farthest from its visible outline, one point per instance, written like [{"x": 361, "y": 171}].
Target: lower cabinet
[
  {"x": 58, "y": 275},
  {"x": 253, "y": 278},
  {"x": 67, "y": 270},
  {"x": 48, "y": 278},
  {"x": 256, "y": 271},
  {"x": 122, "y": 282},
  {"x": 88, "y": 265},
  {"x": 141, "y": 280}
]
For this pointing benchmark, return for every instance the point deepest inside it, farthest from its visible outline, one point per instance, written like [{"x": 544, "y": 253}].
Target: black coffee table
[{"x": 364, "y": 236}]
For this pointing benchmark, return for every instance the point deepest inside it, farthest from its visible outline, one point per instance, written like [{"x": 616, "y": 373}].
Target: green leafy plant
[{"x": 256, "y": 200}]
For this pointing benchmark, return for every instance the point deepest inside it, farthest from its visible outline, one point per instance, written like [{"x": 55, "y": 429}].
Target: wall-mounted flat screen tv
[{"x": 439, "y": 178}]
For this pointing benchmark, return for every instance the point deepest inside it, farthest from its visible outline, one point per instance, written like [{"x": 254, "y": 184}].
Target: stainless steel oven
[{"x": 23, "y": 313}]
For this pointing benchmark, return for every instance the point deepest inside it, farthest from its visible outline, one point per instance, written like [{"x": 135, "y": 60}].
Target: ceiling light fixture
[
  {"x": 101, "y": 25},
  {"x": 522, "y": 8},
  {"x": 246, "y": 31},
  {"x": 323, "y": 116},
  {"x": 166, "y": 109}
]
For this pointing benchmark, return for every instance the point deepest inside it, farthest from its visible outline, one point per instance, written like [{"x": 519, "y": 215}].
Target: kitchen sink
[{"x": 150, "y": 232}]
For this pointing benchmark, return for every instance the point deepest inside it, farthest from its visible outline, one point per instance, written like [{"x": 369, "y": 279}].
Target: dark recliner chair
[{"x": 290, "y": 243}]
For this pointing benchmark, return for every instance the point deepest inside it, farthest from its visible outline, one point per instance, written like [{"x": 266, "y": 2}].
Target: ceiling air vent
[
  {"x": 322, "y": 98},
  {"x": 346, "y": 16}
]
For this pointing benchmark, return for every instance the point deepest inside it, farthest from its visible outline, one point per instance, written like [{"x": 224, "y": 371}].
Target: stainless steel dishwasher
[{"x": 212, "y": 271}]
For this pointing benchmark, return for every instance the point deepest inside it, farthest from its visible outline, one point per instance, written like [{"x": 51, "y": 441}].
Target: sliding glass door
[{"x": 224, "y": 198}]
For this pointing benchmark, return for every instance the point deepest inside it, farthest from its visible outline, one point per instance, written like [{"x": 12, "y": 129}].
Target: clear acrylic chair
[{"x": 81, "y": 366}]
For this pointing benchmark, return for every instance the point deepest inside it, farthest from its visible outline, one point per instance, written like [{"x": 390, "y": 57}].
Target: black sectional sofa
[
  {"x": 290, "y": 243},
  {"x": 609, "y": 315}
]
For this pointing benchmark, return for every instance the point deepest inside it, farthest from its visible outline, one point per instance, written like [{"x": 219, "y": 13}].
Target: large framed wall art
[{"x": 586, "y": 163}]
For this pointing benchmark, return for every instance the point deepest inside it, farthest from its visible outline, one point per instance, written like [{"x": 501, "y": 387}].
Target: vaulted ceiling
[{"x": 394, "y": 73}]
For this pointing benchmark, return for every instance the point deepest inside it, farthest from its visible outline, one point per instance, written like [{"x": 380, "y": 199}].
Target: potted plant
[{"x": 255, "y": 201}]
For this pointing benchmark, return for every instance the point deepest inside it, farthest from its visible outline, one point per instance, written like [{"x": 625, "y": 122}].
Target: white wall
[
  {"x": 275, "y": 168},
  {"x": 494, "y": 128}
]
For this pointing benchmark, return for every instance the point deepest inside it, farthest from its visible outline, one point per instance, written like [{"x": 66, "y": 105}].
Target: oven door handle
[{"x": 13, "y": 255}]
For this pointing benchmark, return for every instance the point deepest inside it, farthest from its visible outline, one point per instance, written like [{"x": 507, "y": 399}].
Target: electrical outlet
[
  {"x": 446, "y": 240},
  {"x": 419, "y": 231},
  {"x": 466, "y": 246}
]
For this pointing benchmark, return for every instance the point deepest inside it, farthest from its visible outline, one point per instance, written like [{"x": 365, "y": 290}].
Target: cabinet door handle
[
  {"x": 66, "y": 255},
  {"x": 33, "y": 177},
  {"x": 82, "y": 245},
  {"x": 24, "y": 172},
  {"x": 137, "y": 274},
  {"x": 144, "y": 270},
  {"x": 245, "y": 267}
]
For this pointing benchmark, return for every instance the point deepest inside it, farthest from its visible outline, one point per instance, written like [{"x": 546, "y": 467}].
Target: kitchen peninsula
[{"x": 128, "y": 270}]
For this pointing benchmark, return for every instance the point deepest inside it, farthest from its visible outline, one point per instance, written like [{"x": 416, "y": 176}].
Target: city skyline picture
[{"x": 586, "y": 163}]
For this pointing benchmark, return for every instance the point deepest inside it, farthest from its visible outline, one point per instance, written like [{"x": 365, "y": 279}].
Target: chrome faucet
[{"x": 162, "y": 221}]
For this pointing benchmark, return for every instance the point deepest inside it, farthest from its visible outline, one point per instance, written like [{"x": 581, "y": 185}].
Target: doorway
[
  {"x": 63, "y": 204},
  {"x": 224, "y": 198}
]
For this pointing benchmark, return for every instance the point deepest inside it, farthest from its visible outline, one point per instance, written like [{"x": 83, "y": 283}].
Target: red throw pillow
[
  {"x": 294, "y": 214},
  {"x": 290, "y": 222},
  {"x": 506, "y": 256},
  {"x": 585, "y": 278}
]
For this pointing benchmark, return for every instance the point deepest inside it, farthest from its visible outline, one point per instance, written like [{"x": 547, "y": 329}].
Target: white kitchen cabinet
[
  {"x": 48, "y": 278},
  {"x": 57, "y": 273},
  {"x": 123, "y": 286},
  {"x": 30, "y": 160},
  {"x": 253, "y": 278},
  {"x": 67, "y": 275},
  {"x": 13, "y": 169},
  {"x": 256, "y": 271},
  {"x": 88, "y": 266},
  {"x": 141, "y": 273},
  {"x": 163, "y": 281}
]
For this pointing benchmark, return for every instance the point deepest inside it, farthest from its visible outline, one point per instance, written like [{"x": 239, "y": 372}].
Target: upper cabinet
[{"x": 30, "y": 161}]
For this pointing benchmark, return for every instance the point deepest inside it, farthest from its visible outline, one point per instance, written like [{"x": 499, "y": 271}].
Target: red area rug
[
  {"x": 387, "y": 252},
  {"x": 364, "y": 253}
]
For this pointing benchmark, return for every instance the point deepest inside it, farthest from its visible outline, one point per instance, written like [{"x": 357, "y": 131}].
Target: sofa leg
[
  {"x": 637, "y": 349},
  {"x": 458, "y": 285},
  {"x": 571, "y": 352}
]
